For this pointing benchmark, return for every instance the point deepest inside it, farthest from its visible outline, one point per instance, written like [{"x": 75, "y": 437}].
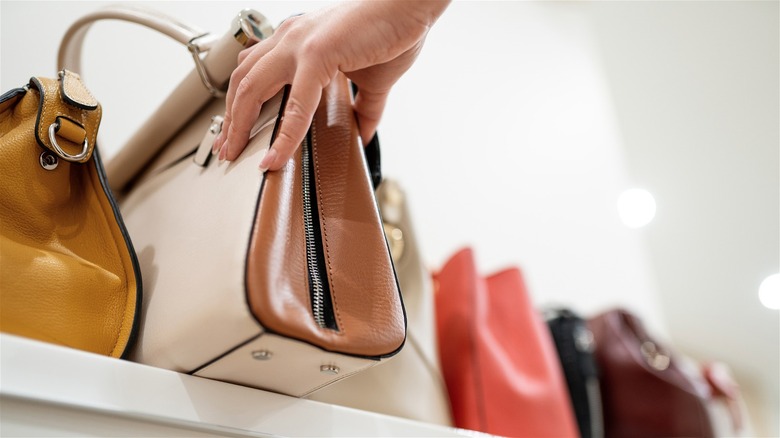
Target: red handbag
[{"x": 498, "y": 358}]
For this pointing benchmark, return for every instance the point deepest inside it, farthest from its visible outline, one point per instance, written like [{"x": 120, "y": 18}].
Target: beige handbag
[
  {"x": 410, "y": 385},
  {"x": 281, "y": 281}
]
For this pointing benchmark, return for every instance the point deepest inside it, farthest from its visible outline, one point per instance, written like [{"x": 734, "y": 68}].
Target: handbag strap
[
  {"x": 68, "y": 117},
  {"x": 69, "y": 56},
  {"x": 197, "y": 89}
]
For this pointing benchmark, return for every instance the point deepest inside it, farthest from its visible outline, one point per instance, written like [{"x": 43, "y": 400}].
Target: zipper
[{"x": 319, "y": 289}]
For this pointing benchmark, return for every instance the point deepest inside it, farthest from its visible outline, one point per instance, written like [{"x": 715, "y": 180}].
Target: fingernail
[
  {"x": 263, "y": 153},
  {"x": 223, "y": 152},
  {"x": 217, "y": 143},
  {"x": 268, "y": 159}
]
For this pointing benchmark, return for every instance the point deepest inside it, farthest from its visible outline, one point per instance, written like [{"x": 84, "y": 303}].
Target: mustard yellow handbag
[{"x": 68, "y": 273}]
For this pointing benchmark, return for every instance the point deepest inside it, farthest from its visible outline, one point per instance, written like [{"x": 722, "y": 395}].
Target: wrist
[{"x": 423, "y": 12}]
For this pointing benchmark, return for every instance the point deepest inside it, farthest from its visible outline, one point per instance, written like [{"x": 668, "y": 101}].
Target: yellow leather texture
[
  {"x": 75, "y": 93},
  {"x": 370, "y": 322},
  {"x": 71, "y": 131},
  {"x": 67, "y": 272}
]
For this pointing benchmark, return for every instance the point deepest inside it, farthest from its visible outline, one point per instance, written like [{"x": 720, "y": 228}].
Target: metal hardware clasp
[
  {"x": 250, "y": 27},
  {"x": 66, "y": 156},
  {"x": 247, "y": 28}
]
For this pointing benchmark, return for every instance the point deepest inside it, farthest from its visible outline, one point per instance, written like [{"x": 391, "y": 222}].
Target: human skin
[{"x": 373, "y": 42}]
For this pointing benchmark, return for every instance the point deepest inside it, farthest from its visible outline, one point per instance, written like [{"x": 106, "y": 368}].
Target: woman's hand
[{"x": 372, "y": 42}]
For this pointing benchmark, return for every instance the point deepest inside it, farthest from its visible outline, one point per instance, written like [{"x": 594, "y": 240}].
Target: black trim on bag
[
  {"x": 143, "y": 176},
  {"x": 179, "y": 160},
  {"x": 12, "y": 93},
  {"x": 130, "y": 249},
  {"x": 228, "y": 352},
  {"x": 35, "y": 83},
  {"x": 67, "y": 97}
]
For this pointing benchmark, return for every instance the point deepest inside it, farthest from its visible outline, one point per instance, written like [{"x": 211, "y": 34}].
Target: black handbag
[{"x": 574, "y": 342}]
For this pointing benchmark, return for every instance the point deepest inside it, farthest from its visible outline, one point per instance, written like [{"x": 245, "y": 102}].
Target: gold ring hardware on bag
[
  {"x": 248, "y": 27},
  {"x": 65, "y": 156}
]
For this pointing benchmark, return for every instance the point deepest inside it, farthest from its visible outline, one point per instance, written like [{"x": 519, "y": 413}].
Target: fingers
[
  {"x": 369, "y": 107},
  {"x": 262, "y": 82},
  {"x": 235, "y": 78},
  {"x": 298, "y": 113},
  {"x": 246, "y": 61},
  {"x": 242, "y": 55}
]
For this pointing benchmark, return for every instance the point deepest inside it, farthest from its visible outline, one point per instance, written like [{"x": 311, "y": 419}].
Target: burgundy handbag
[
  {"x": 498, "y": 359},
  {"x": 649, "y": 391}
]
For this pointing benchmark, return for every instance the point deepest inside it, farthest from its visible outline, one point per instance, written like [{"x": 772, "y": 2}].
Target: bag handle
[
  {"x": 69, "y": 55},
  {"x": 194, "y": 92}
]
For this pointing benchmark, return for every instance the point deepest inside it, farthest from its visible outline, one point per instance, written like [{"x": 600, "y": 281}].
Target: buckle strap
[{"x": 68, "y": 116}]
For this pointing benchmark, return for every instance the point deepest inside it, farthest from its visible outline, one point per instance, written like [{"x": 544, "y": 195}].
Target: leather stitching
[
  {"x": 43, "y": 117},
  {"x": 45, "y": 112},
  {"x": 75, "y": 91},
  {"x": 63, "y": 121},
  {"x": 342, "y": 329}
]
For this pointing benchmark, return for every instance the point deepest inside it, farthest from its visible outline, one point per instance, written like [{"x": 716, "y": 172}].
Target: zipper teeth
[{"x": 318, "y": 303}]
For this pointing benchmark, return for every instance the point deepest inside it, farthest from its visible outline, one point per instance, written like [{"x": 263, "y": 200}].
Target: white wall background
[{"x": 517, "y": 129}]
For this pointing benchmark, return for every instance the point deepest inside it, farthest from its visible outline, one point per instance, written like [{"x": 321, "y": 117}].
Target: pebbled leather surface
[
  {"x": 413, "y": 276},
  {"x": 71, "y": 131},
  {"x": 410, "y": 385},
  {"x": 66, "y": 275},
  {"x": 75, "y": 93},
  {"x": 363, "y": 287}
]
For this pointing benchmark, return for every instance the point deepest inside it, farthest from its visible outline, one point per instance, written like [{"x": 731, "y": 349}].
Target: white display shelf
[{"x": 47, "y": 390}]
